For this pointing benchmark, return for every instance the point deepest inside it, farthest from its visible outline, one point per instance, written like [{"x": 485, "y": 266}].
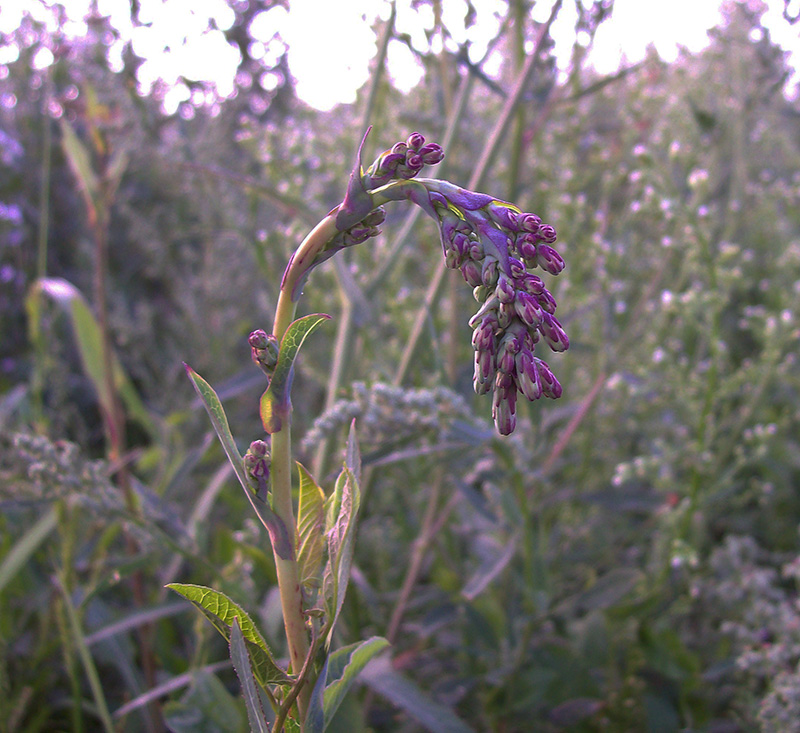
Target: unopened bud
[
  {"x": 264, "y": 350},
  {"x": 256, "y": 465},
  {"x": 415, "y": 141}
]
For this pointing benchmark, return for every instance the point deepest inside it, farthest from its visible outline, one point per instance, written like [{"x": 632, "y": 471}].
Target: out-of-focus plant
[{"x": 495, "y": 246}]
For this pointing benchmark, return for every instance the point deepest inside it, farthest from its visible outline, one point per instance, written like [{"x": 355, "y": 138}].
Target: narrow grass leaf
[
  {"x": 241, "y": 663},
  {"x": 89, "y": 667},
  {"x": 221, "y": 612},
  {"x": 275, "y": 403},
  {"x": 25, "y": 546},
  {"x": 79, "y": 159},
  {"x": 380, "y": 676},
  {"x": 90, "y": 345}
]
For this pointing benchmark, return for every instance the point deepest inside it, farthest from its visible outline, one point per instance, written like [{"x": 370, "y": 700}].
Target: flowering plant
[{"x": 495, "y": 246}]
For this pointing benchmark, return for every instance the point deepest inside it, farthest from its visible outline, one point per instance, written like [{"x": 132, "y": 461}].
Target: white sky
[{"x": 331, "y": 42}]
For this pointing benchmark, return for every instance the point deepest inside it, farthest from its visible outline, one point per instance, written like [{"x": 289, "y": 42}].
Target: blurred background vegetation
[{"x": 627, "y": 561}]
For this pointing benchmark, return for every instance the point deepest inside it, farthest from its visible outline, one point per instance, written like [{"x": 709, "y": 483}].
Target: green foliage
[
  {"x": 310, "y": 530},
  {"x": 338, "y": 674},
  {"x": 223, "y": 613},
  {"x": 275, "y": 402}
]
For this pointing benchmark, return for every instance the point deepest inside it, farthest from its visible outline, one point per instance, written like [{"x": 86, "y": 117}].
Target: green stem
[{"x": 281, "y": 469}]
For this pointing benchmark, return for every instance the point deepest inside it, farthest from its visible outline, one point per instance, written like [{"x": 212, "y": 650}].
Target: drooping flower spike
[{"x": 495, "y": 246}]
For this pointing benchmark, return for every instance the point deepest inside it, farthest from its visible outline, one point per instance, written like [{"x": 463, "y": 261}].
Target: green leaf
[
  {"x": 222, "y": 611},
  {"x": 337, "y": 677},
  {"x": 400, "y": 691},
  {"x": 89, "y": 667},
  {"x": 90, "y": 345},
  {"x": 342, "y": 514},
  {"x": 244, "y": 670},
  {"x": 207, "y": 707},
  {"x": 275, "y": 403},
  {"x": 25, "y": 546},
  {"x": 276, "y": 528},
  {"x": 80, "y": 161},
  {"x": 310, "y": 530}
]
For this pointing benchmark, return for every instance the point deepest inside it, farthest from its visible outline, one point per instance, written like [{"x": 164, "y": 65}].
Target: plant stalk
[{"x": 281, "y": 469}]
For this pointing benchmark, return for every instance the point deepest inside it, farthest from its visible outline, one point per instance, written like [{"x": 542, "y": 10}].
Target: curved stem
[{"x": 281, "y": 469}]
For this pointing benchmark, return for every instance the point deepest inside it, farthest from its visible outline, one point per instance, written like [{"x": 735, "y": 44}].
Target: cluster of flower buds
[
  {"x": 264, "y": 350},
  {"x": 403, "y": 161},
  {"x": 366, "y": 228},
  {"x": 495, "y": 246},
  {"x": 257, "y": 461}
]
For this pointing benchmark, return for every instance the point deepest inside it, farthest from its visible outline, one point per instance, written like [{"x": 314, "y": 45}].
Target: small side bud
[
  {"x": 257, "y": 462},
  {"x": 264, "y": 350}
]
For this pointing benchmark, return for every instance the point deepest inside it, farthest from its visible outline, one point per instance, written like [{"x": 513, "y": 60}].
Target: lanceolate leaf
[
  {"x": 342, "y": 514},
  {"x": 344, "y": 666},
  {"x": 221, "y": 611},
  {"x": 80, "y": 162},
  {"x": 276, "y": 528},
  {"x": 90, "y": 345},
  {"x": 310, "y": 530},
  {"x": 241, "y": 663},
  {"x": 275, "y": 402}
]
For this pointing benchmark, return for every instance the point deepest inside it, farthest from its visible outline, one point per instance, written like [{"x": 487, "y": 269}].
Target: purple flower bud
[
  {"x": 505, "y": 314},
  {"x": 415, "y": 141},
  {"x": 533, "y": 284},
  {"x": 388, "y": 162},
  {"x": 506, "y": 362},
  {"x": 527, "y": 375},
  {"x": 432, "y": 153},
  {"x": 529, "y": 223},
  {"x": 258, "y": 339},
  {"x": 526, "y": 246},
  {"x": 483, "y": 335},
  {"x": 476, "y": 251},
  {"x": 472, "y": 273},
  {"x": 505, "y": 290},
  {"x": 256, "y": 465},
  {"x": 503, "y": 381},
  {"x": 503, "y": 215},
  {"x": 550, "y": 385},
  {"x": 504, "y": 406},
  {"x": 547, "y": 234},
  {"x": 264, "y": 350},
  {"x": 452, "y": 259},
  {"x": 484, "y": 369},
  {"x": 400, "y": 148},
  {"x": 489, "y": 272},
  {"x": 528, "y": 254},
  {"x": 549, "y": 259},
  {"x": 547, "y": 301},
  {"x": 528, "y": 308},
  {"x": 553, "y": 333},
  {"x": 515, "y": 268},
  {"x": 414, "y": 161},
  {"x": 461, "y": 243}
]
